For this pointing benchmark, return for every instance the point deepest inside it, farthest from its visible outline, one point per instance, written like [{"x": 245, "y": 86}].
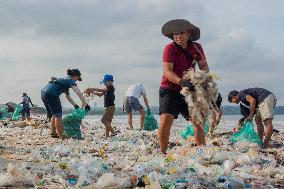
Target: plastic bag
[
  {"x": 246, "y": 133},
  {"x": 188, "y": 131},
  {"x": 107, "y": 181},
  {"x": 17, "y": 113},
  {"x": 150, "y": 123},
  {"x": 4, "y": 112},
  {"x": 72, "y": 122}
]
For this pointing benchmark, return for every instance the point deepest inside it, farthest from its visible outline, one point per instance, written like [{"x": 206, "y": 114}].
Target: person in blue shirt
[
  {"x": 50, "y": 96},
  {"x": 261, "y": 103},
  {"x": 26, "y": 111}
]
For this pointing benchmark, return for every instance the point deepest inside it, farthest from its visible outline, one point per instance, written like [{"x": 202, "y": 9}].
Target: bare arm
[
  {"x": 98, "y": 90},
  {"x": 31, "y": 102},
  {"x": 69, "y": 98},
  {"x": 170, "y": 74},
  {"x": 80, "y": 95},
  {"x": 146, "y": 100},
  {"x": 252, "y": 105},
  {"x": 99, "y": 94}
]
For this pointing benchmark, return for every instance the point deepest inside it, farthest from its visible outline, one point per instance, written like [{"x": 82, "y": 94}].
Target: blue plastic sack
[
  {"x": 246, "y": 133},
  {"x": 150, "y": 123},
  {"x": 188, "y": 131}
]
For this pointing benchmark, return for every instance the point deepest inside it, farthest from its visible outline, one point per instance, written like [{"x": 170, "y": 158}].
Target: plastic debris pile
[
  {"x": 17, "y": 113},
  {"x": 201, "y": 100},
  {"x": 132, "y": 160},
  {"x": 4, "y": 112}
]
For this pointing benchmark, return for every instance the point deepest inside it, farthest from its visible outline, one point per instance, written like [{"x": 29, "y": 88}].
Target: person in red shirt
[{"x": 179, "y": 56}]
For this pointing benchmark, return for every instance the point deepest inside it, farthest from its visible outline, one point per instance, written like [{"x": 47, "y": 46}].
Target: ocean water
[{"x": 228, "y": 122}]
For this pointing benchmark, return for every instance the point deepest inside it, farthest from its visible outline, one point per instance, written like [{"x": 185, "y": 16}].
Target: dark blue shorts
[
  {"x": 26, "y": 112},
  {"x": 132, "y": 103},
  {"x": 52, "y": 105}
]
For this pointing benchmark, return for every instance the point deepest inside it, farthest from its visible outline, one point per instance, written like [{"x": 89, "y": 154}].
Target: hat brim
[
  {"x": 178, "y": 26},
  {"x": 104, "y": 81}
]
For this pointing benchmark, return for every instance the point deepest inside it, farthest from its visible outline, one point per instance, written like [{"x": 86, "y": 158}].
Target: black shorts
[
  {"x": 26, "y": 112},
  {"x": 174, "y": 103},
  {"x": 52, "y": 105}
]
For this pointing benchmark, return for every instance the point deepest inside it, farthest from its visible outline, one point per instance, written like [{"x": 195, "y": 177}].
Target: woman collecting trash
[{"x": 50, "y": 96}]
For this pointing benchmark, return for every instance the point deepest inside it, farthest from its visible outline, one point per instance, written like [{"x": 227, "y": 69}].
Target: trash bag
[
  {"x": 246, "y": 133},
  {"x": 188, "y": 131},
  {"x": 72, "y": 122},
  {"x": 4, "y": 112},
  {"x": 150, "y": 123},
  {"x": 17, "y": 113}
]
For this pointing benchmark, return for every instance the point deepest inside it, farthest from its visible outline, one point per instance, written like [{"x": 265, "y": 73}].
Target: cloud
[
  {"x": 241, "y": 64},
  {"x": 40, "y": 39}
]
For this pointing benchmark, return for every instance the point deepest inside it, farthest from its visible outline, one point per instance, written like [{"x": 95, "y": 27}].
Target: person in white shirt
[{"x": 131, "y": 103}]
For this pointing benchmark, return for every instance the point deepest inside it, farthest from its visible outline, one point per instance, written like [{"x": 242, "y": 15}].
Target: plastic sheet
[
  {"x": 246, "y": 133},
  {"x": 150, "y": 123},
  {"x": 188, "y": 131},
  {"x": 72, "y": 122},
  {"x": 17, "y": 113}
]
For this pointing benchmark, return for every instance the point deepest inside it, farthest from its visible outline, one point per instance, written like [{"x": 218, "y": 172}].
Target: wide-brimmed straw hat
[{"x": 178, "y": 26}]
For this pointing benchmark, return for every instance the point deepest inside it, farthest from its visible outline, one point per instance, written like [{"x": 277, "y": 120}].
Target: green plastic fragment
[{"x": 188, "y": 131}]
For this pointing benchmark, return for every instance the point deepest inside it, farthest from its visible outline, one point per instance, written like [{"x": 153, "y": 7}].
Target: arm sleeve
[
  {"x": 79, "y": 94},
  {"x": 69, "y": 98},
  {"x": 168, "y": 54}
]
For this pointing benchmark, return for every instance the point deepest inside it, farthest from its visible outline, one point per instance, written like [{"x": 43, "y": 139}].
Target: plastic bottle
[
  {"x": 232, "y": 183},
  {"x": 228, "y": 166},
  {"x": 83, "y": 176}
]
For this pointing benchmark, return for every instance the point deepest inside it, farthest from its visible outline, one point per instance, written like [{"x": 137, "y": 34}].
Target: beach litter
[
  {"x": 72, "y": 122},
  {"x": 132, "y": 160},
  {"x": 17, "y": 113},
  {"x": 246, "y": 133},
  {"x": 150, "y": 123},
  {"x": 189, "y": 131}
]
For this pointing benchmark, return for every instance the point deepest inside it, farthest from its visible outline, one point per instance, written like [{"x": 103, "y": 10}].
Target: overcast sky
[{"x": 243, "y": 43}]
